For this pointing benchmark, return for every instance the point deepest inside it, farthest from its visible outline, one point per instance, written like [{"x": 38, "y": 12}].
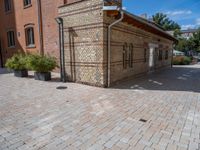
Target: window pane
[
  {"x": 160, "y": 55},
  {"x": 124, "y": 55},
  {"x": 30, "y": 36},
  {"x": 7, "y": 5},
  {"x": 11, "y": 38},
  {"x": 145, "y": 55},
  {"x": 27, "y": 2},
  {"x": 166, "y": 54},
  {"x": 131, "y": 55}
]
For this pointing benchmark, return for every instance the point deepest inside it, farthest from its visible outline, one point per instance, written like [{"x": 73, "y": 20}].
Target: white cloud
[
  {"x": 124, "y": 8},
  {"x": 179, "y": 12},
  {"x": 192, "y": 26},
  {"x": 188, "y": 26},
  {"x": 198, "y": 21}
]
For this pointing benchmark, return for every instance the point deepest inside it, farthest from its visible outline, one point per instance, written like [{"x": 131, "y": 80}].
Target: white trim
[{"x": 153, "y": 45}]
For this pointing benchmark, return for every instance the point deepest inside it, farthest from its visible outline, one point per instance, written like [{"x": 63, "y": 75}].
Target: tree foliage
[
  {"x": 196, "y": 40},
  {"x": 167, "y": 24},
  {"x": 192, "y": 43}
]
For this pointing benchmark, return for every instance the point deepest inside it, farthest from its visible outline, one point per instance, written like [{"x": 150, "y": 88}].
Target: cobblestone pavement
[{"x": 161, "y": 111}]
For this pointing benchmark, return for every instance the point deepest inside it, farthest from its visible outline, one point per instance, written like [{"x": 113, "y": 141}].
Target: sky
[{"x": 184, "y": 12}]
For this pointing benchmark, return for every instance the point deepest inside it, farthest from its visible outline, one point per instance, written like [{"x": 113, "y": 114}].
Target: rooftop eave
[{"x": 148, "y": 25}]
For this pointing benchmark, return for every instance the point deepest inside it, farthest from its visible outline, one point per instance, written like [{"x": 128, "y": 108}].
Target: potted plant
[
  {"x": 17, "y": 63},
  {"x": 42, "y": 65}
]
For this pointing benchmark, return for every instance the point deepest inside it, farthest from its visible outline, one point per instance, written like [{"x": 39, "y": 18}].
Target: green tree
[
  {"x": 167, "y": 24},
  {"x": 192, "y": 43},
  {"x": 196, "y": 40},
  {"x": 182, "y": 45}
]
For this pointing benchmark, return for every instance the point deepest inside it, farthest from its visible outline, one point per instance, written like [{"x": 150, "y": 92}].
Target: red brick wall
[
  {"x": 16, "y": 19},
  {"x": 50, "y": 27},
  {"x": 25, "y": 16},
  {"x": 7, "y": 22},
  {"x": 20, "y": 16}
]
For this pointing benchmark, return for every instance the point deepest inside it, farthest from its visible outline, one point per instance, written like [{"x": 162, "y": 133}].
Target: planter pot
[
  {"x": 21, "y": 73},
  {"x": 43, "y": 76}
]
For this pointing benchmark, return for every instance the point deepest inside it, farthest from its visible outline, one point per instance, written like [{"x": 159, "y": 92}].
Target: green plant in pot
[
  {"x": 18, "y": 64},
  {"x": 42, "y": 65}
]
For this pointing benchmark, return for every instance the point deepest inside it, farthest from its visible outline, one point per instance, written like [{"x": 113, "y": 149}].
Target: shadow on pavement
[
  {"x": 5, "y": 71},
  {"x": 178, "y": 78}
]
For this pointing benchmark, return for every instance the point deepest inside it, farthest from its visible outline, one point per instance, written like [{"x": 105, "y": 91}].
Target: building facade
[
  {"x": 138, "y": 46},
  {"x": 29, "y": 26},
  {"x": 94, "y": 53},
  {"x": 18, "y": 20},
  {"x": 188, "y": 33}
]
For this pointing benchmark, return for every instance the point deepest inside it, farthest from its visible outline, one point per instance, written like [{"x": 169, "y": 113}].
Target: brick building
[
  {"x": 135, "y": 46},
  {"x": 29, "y": 26},
  {"x": 93, "y": 49}
]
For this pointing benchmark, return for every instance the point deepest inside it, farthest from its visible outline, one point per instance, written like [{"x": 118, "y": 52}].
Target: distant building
[
  {"x": 178, "y": 53},
  {"x": 188, "y": 33}
]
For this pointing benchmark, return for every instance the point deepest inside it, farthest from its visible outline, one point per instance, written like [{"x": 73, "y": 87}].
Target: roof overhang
[{"x": 145, "y": 24}]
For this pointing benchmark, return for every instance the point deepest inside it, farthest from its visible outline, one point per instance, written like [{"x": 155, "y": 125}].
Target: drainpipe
[
  {"x": 109, "y": 44},
  {"x": 61, "y": 45},
  {"x": 40, "y": 27},
  {"x": 1, "y": 57},
  {"x": 172, "y": 57}
]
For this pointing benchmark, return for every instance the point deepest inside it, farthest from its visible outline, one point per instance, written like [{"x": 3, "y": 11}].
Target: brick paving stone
[{"x": 35, "y": 115}]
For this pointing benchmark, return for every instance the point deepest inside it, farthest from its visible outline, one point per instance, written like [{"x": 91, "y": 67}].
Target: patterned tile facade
[{"x": 86, "y": 27}]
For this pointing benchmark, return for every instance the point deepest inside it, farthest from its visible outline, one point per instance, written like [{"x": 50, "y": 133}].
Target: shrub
[
  {"x": 181, "y": 60},
  {"x": 17, "y": 62},
  {"x": 186, "y": 61},
  {"x": 40, "y": 63}
]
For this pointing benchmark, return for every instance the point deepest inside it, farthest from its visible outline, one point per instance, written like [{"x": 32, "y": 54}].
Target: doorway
[{"x": 152, "y": 57}]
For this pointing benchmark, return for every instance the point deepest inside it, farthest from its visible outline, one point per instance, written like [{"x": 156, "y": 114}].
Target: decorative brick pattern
[
  {"x": 84, "y": 56},
  {"x": 86, "y": 26}
]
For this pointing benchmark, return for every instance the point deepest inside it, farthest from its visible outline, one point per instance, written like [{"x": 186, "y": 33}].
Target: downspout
[
  {"x": 109, "y": 44},
  {"x": 40, "y": 27},
  {"x": 172, "y": 57},
  {"x": 1, "y": 57},
  {"x": 61, "y": 45}
]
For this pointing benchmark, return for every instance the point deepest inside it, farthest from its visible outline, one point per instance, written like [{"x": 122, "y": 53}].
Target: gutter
[
  {"x": 109, "y": 45},
  {"x": 61, "y": 45},
  {"x": 40, "y": 27},
  {"x": 149, "y": 23}
]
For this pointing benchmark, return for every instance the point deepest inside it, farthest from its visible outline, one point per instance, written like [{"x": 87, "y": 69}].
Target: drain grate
[
  {"x": 61, "y": 87},
  {"x": 143, "y": 120}
]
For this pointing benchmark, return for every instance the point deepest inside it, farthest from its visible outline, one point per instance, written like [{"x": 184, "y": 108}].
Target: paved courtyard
[{"x": 161, "y": 111}]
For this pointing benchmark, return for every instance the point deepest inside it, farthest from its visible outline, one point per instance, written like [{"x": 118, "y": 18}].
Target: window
[
  {"x": 145, "y": 55},
  {"x": 27, "y": 2},
  {"x": 11, "y": 38},
  {"x": 166, "y": 54},
  {"x": 7, "y": 4},
  {"x": 124, "y": 55},
  {"x": 30, "y": 37},
  {"x": 131, "y": 55},
  {"x": 160, "y": 55}
]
